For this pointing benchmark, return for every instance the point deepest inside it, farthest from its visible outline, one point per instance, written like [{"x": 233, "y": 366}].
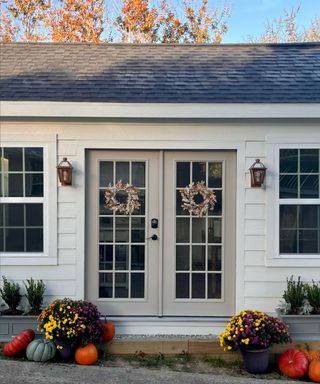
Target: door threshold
[{"x": 168, "y": 326}]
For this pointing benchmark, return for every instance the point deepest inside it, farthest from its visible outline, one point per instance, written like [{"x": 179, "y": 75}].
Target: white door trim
[{"x": 239, "y": 146}]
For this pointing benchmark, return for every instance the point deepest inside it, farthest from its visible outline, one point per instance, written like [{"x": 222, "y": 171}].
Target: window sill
[
  {"x": 293, "y": 262},
  {"x": 27, "y": 260}
]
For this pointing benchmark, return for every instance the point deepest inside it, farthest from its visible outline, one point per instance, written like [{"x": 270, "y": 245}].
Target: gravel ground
[{"x": 22, "y": 372}]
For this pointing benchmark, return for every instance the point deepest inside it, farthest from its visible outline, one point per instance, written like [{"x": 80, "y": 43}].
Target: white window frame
[
  {"x": 273, "y": 256},
  {"x": 49, "y": 201}
]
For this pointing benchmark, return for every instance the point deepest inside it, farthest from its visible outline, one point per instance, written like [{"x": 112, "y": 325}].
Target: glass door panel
[{"x": 195, "y": 236}]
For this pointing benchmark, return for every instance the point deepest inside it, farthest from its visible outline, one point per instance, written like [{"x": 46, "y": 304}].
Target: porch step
[{"x": 133, "y": 345}]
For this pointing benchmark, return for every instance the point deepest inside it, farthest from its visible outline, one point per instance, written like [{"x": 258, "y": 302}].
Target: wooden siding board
[
  {"x": 255, "y": 211},
  {"x": 66, "y": 241},
  {"x": 67, "y": 209},
  {"x": 66, "y": 226},
  {"x": 254, "y": 258},
  {"x": 255, "y": 227}
]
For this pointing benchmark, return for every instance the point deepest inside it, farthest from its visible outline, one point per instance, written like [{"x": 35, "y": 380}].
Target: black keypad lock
[{"x": 154, "y": 223}]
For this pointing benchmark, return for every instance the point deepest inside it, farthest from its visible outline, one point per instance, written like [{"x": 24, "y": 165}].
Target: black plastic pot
[{"x": 256, "y": 360}]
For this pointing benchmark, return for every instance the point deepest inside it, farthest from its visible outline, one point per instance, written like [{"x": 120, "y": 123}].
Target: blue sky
[{"x": 250, "y": 16}]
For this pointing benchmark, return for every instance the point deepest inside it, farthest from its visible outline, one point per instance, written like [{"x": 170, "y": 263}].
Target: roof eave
[{"x": 49, "y": 109}]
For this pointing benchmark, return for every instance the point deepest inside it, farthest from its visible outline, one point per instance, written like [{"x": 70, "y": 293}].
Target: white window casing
[
  {"x": 49, "y": 201},
  {"x": 273, "y": 201}
]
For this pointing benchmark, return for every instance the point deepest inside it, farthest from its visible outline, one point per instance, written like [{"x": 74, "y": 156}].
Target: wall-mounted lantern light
[
  {"x": 65, "y": 172},
  {"x": 257, "y": 173}
]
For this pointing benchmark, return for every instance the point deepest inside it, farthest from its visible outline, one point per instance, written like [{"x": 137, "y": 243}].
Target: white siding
[{"x": 258, "y": 286}]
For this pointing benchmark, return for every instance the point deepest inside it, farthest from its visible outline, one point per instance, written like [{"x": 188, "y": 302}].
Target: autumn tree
[
  {"x": 205, "y": 24},
  {"x": 134, "y": 21},
  {"x": 138, "y": 22},
  {"x": 23, "y": 20},
  {"x": 312, "y": 33},
  {"x": 77, "y": 21},
  {"x": 286, "y": 29},
  {"x": 173, "y": 27},
  {"x": 194, "y": 21},
  {"x": 8, "y": 30}
]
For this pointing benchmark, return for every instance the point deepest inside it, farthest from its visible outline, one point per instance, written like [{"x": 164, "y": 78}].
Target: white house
[{"x": 159, "y": 117}]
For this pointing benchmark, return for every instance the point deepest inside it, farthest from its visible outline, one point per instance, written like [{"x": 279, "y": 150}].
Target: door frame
[
  {"x": 95, "y": 157},
  {"x": 106, "y": 142}
]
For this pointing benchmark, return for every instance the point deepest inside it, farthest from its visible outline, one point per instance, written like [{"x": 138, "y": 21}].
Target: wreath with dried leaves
[
  {"x": 188, "y": 195},
  {"x": 132, "y": 202}
]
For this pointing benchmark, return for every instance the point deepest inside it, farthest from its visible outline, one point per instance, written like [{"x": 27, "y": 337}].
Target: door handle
[{"x": 153, "y": 237}]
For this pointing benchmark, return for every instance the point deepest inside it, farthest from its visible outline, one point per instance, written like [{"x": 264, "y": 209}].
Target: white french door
[
  {"x": 159, "y": 259},
  {"x": 199, "y": 252},
  {"x": 121, "y": 259}
]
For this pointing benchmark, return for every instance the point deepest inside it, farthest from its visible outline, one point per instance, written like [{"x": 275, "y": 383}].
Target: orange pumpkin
[
  {"x": 314, "y": 371},
  {"x": 86, "y": 354},
  {"x": 108, "y": 331},
  {"x": 306, "y": 353},
  {"x": 313, "y": 354}
]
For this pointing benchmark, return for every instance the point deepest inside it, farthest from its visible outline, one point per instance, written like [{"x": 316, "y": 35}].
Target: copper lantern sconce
[
  {"x": 257, "y": 174},
  {"x": 65, "y": 172}
]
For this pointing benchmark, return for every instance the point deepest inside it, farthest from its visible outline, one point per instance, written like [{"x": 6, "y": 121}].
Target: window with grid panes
[
  {"x": 299, "y": 196},
  {"x": 22, "y": 199}
]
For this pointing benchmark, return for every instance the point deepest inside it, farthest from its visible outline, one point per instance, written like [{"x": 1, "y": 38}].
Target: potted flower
[
  {"x": 300, "y": 309},
  {"x": 252, "y": 333},
  {"x": 70, "y": 323}
]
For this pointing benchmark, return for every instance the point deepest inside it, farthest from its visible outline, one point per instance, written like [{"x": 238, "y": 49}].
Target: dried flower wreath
[
  {"x": 188, "y": 194},
  {"x": 113, "y": 203}
]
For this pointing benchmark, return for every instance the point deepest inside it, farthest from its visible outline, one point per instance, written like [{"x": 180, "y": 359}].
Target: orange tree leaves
[
  {"x": 135, "y": 21},
  {"x": 77, "y": 21},
  {"x": 23, "y": 20},
  {"x": 205, "y": 24},
  {"x": 138, "y": 22},
  {"x": 195, "y": 22}
]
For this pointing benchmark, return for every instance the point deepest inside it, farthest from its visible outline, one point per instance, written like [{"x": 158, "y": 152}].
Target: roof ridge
[{"x": 314, "y": 43}]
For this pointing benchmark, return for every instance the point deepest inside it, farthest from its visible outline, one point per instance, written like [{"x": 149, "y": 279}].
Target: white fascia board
[{"x": 55, "y": 109}]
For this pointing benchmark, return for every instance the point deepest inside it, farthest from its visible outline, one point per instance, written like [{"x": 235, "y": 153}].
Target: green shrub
[
  {"x": 10, "y": 293},
  {"x": 313, "y": 296},
  {"x": 295, "y": 294},
  {"x": 35, "y": 291}
]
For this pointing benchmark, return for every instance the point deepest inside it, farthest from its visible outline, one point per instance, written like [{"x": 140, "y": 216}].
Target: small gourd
[{"x": 41, "y": 350}]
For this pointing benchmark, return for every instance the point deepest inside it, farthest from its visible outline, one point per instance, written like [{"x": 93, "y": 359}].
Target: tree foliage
[
  {"x": 138, "y": 22},
  {"x": 286, "y": 29},
  {"x": 77, "y": 21},
  {"x": 135, "y": 21},
  {"x": 23, "y": 20}
]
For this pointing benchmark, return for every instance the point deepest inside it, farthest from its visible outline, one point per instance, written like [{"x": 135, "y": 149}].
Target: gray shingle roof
[{"x": 285, "y": 73}]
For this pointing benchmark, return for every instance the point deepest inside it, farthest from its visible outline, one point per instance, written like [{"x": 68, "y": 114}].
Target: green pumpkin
[{"x": 41, "y": 350}]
